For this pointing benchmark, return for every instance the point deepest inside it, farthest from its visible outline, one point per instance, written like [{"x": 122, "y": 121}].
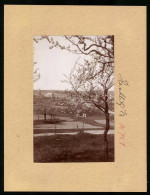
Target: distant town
[{"x": 64, "y": 103}]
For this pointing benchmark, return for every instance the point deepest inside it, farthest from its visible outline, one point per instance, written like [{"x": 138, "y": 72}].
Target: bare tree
[
  {"x": 52, "y": 112},
  {"x": 92, "y": 86},
  {"x": 43, "y": 104},
  {"x": 38, "y": 112},
  {"x": 92, "y": 78}
]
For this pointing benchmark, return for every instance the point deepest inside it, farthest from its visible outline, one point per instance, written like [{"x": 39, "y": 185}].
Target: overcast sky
[{"x": 53, "y": 64}]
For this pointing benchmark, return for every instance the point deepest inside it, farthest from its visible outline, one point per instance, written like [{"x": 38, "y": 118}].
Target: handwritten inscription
[
  {"x": 122, "y": 135},
  {"x": 122, "y": 96},
  {"x": 123, "y": 111}
]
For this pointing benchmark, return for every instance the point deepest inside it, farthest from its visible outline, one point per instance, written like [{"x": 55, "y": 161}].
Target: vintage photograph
[{"x": 73, "y": 98}]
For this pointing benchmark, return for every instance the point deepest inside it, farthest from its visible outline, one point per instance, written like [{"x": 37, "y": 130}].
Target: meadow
[
  {"x": 72, "y": 148},
  {"x": 56, "y": 146}
]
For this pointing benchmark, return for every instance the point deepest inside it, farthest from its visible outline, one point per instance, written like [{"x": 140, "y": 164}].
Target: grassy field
[
  {"x": 72, "y": 148},
  {"x": 71, "y": 123}
]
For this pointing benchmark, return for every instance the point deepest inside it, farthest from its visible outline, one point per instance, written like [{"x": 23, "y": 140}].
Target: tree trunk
[
  {"x": 107, "y": 126},
  {"x": 45, "y": 117},
  {"x": 105, "y": 135}
]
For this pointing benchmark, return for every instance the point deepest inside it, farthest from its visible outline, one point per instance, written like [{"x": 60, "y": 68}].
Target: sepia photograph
[{"x": 73, "y": 98}]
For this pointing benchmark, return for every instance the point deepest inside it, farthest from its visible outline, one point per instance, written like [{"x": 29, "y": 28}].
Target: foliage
[{"x": 36, "y": 74}]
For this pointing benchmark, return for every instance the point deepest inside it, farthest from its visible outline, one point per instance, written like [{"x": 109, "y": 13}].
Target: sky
[{"x": 53, "y": 64}]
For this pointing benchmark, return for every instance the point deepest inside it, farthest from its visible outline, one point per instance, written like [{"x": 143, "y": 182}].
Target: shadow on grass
[{"x": 48, "y": 121}]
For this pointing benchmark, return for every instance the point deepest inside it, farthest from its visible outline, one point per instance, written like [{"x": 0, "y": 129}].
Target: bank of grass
[
  {"x": 72, "y": 148},
  {"x": 92, "y": 122},
  {"x": 48, "y": 121}
]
